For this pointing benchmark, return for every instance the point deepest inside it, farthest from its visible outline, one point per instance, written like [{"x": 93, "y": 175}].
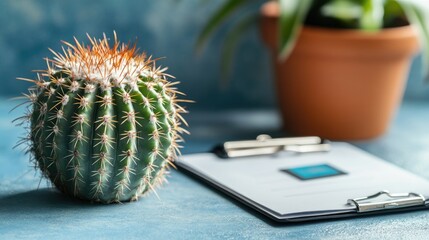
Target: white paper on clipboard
[{"x": 260, "y": 182}]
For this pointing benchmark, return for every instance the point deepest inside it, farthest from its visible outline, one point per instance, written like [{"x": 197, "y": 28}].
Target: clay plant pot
[{"x": 340, "y": 84}]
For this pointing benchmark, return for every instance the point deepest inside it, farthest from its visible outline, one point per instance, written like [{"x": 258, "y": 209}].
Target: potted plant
[{"x": 340, "y": 65}]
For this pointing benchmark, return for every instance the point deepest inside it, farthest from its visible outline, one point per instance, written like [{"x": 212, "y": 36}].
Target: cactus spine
[{"x": 104, "y": 121}]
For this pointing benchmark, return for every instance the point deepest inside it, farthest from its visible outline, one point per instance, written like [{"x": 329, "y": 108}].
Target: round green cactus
[{"x": 104, "y": 121}]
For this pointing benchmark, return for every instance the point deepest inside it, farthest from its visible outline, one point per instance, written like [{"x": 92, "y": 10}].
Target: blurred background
[{"x": 167, "y": 28}]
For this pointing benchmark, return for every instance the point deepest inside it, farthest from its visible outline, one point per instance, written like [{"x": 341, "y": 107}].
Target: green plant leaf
[
  {"x": 342, "y": 10},
  {"x": 417, "y": 15},
  {"x": 292, "y": 16},
  {"x": 372, "y": 15},
  {"x": 231, "y": 41},
  {"x": 392, "y": 11},
  {"x": 226, "y": 10}
]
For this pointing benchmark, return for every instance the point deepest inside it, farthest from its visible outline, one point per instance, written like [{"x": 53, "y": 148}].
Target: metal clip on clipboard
[
  {"x": 394, "y": 201},
  {"x": 265, "y": 145}
]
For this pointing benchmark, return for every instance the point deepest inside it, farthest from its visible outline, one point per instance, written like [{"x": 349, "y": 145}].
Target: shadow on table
[{"x": 44, "y": 199}]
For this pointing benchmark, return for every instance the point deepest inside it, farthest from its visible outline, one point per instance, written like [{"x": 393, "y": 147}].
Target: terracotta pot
[{"x": 340, "y": 84}]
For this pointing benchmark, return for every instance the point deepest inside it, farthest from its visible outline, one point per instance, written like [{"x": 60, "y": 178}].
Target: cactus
[{"x": 104, "y": 121}]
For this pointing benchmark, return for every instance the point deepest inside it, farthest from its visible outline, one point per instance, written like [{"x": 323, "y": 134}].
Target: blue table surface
[{"x": 188, "y": 209}]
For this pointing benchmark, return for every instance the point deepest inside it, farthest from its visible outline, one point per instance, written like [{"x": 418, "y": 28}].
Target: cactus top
[{"x": 105, "y": 65}]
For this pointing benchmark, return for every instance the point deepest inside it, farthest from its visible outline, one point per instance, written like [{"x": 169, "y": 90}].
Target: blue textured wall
[{"x": 163, "y": 28}]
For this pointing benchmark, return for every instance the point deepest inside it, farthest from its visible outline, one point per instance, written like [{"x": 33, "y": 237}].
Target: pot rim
[{"x": 269, "y": 10}]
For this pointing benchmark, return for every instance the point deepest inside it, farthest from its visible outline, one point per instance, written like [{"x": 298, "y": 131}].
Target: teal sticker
[{"x": 313, "y": 171}]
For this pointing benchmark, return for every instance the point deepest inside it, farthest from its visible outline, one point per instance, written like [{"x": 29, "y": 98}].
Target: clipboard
[{"x": 276, "y": 177}]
